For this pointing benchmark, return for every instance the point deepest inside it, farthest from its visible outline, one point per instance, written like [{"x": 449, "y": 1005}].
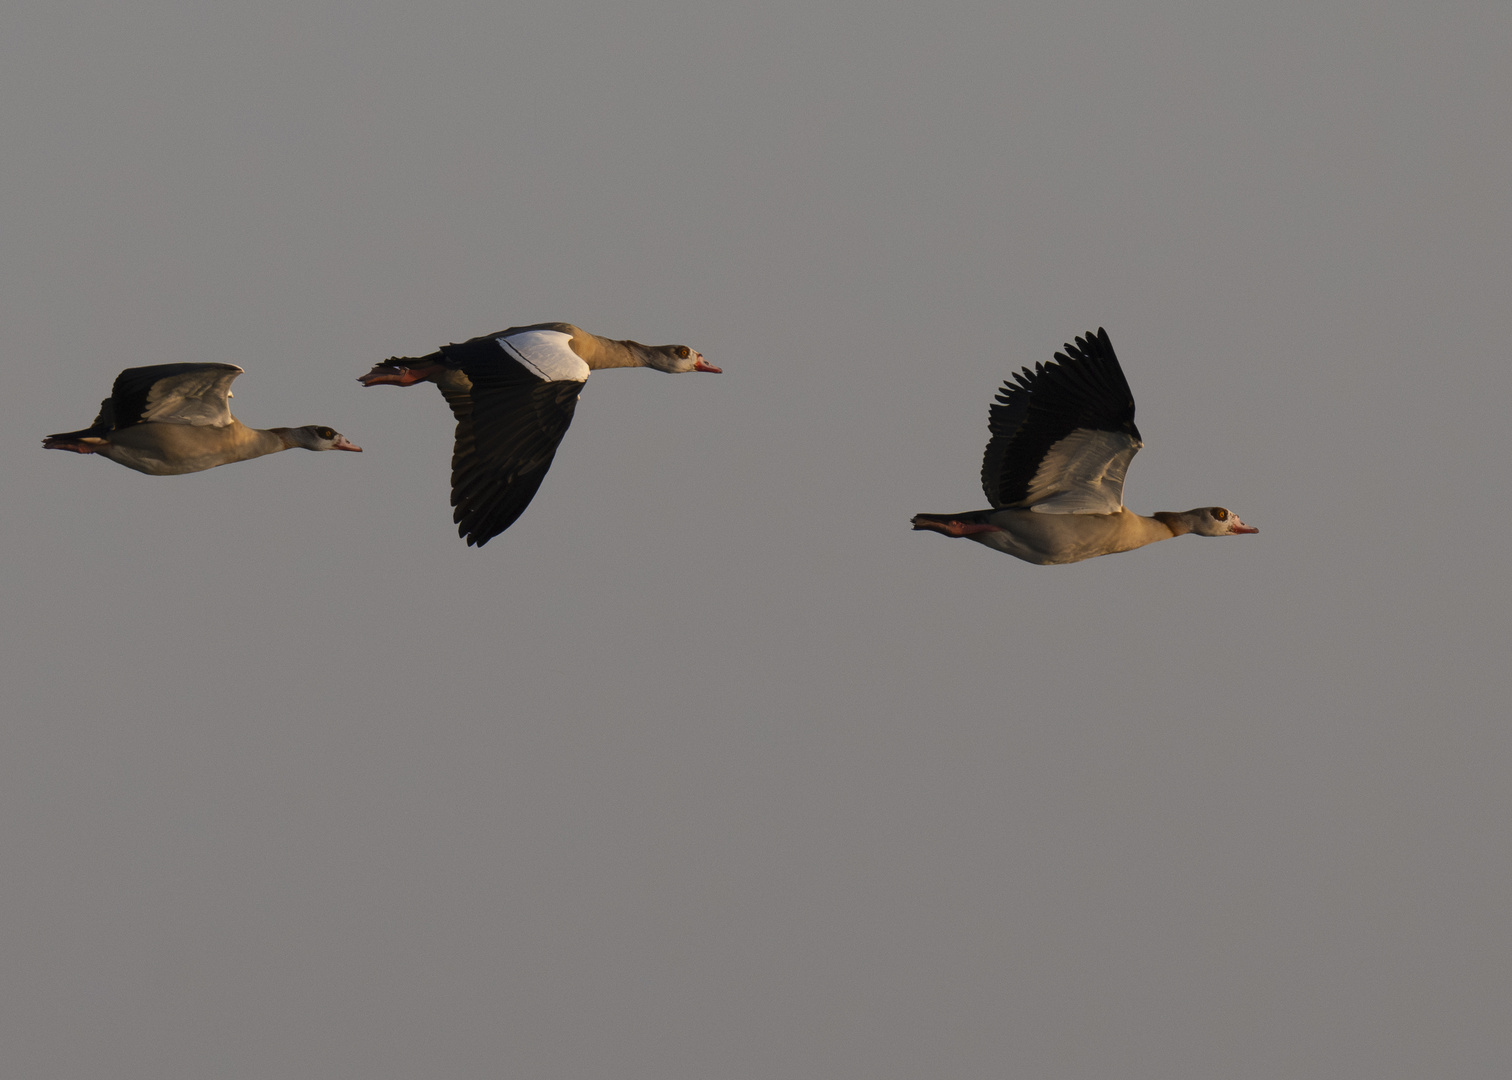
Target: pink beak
[
  {"x": 1241, "y": 527},
  {"x": 343, "y": 443},
  {"x": 703, "y": 365}
]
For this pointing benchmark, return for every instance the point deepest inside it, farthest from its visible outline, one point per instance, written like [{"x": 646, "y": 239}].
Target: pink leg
[
  {"x": 952, "y": 527},
  {"x": 962, "y": 528},
  {"x": 398, "y": 375}
]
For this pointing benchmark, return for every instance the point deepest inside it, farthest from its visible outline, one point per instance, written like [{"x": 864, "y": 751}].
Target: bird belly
[
  {"x": 1054, "y": 539},
  {"x": 143, "y": 447}
]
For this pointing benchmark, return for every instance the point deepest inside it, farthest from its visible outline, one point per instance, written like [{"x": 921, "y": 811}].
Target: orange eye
[
  {"x": 1220, "y": 513},
  {"x": 682, "y": 352}
]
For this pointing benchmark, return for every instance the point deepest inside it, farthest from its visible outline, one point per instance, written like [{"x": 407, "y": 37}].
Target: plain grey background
[{"x": 709, "y": 768}]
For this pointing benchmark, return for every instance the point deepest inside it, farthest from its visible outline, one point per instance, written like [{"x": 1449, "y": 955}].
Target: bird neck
[
  {"x": 1179, "y": 524},
  {"x": 270, "y": 440},
  {"x": 599, "y": 353}
]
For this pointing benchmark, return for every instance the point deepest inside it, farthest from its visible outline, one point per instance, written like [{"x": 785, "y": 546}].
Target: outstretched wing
[
  {"x": 1063, "y": 435},
  {"x": 193, "y": 394},
  {"x": 510, "y": 421}
]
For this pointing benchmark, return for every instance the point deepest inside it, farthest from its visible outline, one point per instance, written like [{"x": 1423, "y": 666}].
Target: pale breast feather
[
  {"x": 547, "y": 353},
  {"x": 1083, "y": 473}
]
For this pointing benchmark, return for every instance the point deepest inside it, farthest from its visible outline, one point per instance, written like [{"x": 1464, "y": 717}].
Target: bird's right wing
[
  {"x": 193, "y": 394},
  {"x": 1063, "y": 435}
]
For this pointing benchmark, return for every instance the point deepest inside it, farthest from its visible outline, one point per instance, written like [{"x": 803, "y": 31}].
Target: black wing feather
[
  {"x": 509, "y": 425},
  {"x": 1083, "y": 387},
  {"x": 128, "y": 396}
]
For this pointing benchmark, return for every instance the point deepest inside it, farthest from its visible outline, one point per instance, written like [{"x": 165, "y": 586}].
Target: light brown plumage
[
  {"x": 168, "y": 419},
  {"x": 1063, "y": 436}
]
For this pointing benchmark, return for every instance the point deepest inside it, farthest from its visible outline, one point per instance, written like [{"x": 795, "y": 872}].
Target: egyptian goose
[
  {"x": 513, "y": 394},
  {"x": 1062, "y": 440},
  {"x": 175, "y": 418}
]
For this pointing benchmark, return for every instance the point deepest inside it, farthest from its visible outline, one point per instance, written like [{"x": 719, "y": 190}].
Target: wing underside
[
  {"x": 1083, "y": 474},
  {"x": 192, "y": 394},
  {"x": 1063, "y": 435}
]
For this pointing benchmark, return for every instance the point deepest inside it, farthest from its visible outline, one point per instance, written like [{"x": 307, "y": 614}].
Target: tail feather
[{"x": 87, "y": 441}]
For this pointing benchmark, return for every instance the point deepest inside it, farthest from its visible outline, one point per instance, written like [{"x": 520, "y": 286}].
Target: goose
[
  {"x": 168, "y": 419},
  {"x": 513, "y": 394},
  {"x": 1062, "y": 439}
]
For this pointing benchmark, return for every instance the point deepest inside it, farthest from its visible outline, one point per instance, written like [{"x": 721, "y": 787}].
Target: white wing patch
[
  {"x": 547, "y": 353},
  {"x": 1083, "y": 474}
]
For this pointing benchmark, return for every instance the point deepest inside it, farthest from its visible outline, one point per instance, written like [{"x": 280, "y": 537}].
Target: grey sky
[{"x": 709, "y": 767}]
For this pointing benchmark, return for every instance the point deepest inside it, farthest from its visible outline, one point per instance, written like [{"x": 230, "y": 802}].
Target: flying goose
[
  {"x": 513, "y": 394},
  {"x": 1062, "y": 440},
  {"x": 168, "y": 419}
]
